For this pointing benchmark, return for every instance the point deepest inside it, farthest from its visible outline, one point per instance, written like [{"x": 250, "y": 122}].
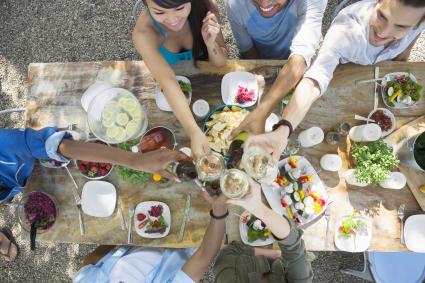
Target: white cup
[
  {"x": 200, "y": 108},
  {"x": 395, "y": 181},
  {"x": 365, "y": 133},
  {"x": 311, "y": 137},
  {"x": 331, "y": 162}
]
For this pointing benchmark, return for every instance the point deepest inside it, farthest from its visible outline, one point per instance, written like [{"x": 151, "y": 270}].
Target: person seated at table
[
  {"x": 365, "y": 33},
  {"x": 20, "y": 148},
  {"x": 242, "y": 263},
  {"x": 170, "y": 31},
  {"x": 144, "y": 264},
  {"x": 276, "y": 29}
]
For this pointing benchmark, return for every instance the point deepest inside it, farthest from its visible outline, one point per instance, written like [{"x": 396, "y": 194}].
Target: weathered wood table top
[{"x": 54, "y": 100}]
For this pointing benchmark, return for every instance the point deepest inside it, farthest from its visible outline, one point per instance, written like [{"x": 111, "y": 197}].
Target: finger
[
  {"x": 178, "y": 155},
  {"x": 206, "y": 148},
  {"x": 213, "y": 30},
  {"x": 254, "y": 185},
  {"x": 206, "y": 196},
  {"x": 276, "y": 155},
  {"x": 237, "y": 131},
  {"x": 168, "y": 175},
  {"x": 234, "y": 202}
]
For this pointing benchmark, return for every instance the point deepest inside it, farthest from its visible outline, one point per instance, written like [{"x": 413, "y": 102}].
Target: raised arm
[
  {"x": 147, "y": 42},
  {"x": 198, "y": 264}
]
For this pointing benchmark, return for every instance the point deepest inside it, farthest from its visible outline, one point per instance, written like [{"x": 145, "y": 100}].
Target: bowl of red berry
[
  {"x": 385, "y": 120},
  {"x": 94, "y": 170}
]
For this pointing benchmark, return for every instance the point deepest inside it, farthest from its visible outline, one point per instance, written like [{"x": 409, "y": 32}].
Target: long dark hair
[{"x": 198, "y": 11}]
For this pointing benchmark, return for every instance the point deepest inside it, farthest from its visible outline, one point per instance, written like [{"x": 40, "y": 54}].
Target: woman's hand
[
  {"x": 210, "y": 29},
  {"x": 157, "y": 161},
  {"x": 251, "y": 201},
  {"x": 199, "y": 144}
]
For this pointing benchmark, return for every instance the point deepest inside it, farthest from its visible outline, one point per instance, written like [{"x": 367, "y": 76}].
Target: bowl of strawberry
[{"x": 94, "y": 170}]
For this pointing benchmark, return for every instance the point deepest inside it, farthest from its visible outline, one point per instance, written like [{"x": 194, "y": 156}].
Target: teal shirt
[{"x": 170, "y": 57}]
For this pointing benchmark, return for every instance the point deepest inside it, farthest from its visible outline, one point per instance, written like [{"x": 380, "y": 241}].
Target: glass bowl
[
  {"x": 116, "y": 116},
  {"x": 22, "y": 218}
]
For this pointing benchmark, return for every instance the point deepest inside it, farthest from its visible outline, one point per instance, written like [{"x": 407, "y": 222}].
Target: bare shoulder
[{"x": 146, "y": 29}]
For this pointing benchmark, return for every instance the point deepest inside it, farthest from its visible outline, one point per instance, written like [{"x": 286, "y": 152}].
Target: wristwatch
[{"x": 284, "y": 122}]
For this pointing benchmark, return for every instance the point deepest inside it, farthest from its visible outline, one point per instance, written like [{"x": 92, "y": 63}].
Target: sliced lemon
[
  {"x": 122, "y": 119},
  {"x": 112, "y": 106},
  {"x": 112, "y": 132},
  {"x": 132, "y": 106},
  {"x": 156, "y": 177},
  {"x": 131, "y": 128},
  {"x": 135, "y": 113},
  {"x": 121, "y": 135},
  {"x": 107, "y": 114},
  {"x": 107, "y": 123},
  {"x": 123, "y": 101}
]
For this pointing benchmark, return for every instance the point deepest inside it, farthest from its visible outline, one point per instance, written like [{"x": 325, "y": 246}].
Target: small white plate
[
  {"x": 414, "y": 233},
  {"x": 243, "y": 231},
  {"x": 389, "y": 114},
  {"x": 390, "y": 77},
  {"x": 144, "y": 207},
  {"x": 230, "y": 83},
  {"x": 161, "y": 100},
  {"x": 356, "y": 244},
  {"x": 271, "y": 121},
  {"x": 98, "y": 198}
]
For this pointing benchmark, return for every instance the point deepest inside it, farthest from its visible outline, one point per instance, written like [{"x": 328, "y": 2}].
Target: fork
[
  {"x": 130, "y": 223},
  {"x": 400, "y": 214},
  {"x": 328, "y": 218}
]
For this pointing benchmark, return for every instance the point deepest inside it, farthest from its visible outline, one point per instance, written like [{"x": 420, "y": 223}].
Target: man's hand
[
  {"x": 156, "y": 161},
  {"x": 253, "y": 124},
  {"x": 276, "y": 141},
  {"x": 199, "y": 144}
]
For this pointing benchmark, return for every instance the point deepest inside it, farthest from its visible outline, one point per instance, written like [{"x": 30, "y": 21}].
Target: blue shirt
[
  {"x": 294, "y": 30},
  {"x": 19, "y": 149}
]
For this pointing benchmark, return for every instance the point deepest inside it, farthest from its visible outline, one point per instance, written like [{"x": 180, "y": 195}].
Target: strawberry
[
  {"x": 94, "y": 168},
  {"x": 141, "y": 217},
  {"x": 103, "y": 172}
]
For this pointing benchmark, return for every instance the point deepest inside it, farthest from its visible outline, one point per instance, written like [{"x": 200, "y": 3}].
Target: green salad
[
  {"x": 352, "y": 226},
  {"x": 185, "y": 87},
  {"x": 130, "y": 175},
  {"x": 374, "y": 161},
  {"x": 402, "y": 89}
]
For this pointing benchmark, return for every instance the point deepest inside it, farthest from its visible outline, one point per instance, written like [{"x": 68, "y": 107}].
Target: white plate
[
  {"x": 144, "y": 207},
  {"x": 243, "y": 231},
  {"x": 161, "y": 100},
  {"x": 414, "y": 233},
  {"x": 389, "y": 114},
  {"x": 271, "y": 121},
  {"x": 98, "y": 198},
  {"x": 390, "y": 77},
  {"x": 273, "y": 196},
  {"x": 96, "y": 88},
  {"x": 356, "y": 244},
  {"x": 230, "y": 83}
]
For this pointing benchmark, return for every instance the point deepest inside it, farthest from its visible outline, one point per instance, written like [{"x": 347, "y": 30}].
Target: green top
[{"x": 237, "y": 262}]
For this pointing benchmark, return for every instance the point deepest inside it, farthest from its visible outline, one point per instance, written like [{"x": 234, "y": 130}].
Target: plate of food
[
  {"x": 160, "y": 99},
  {"x": 385, "y": 120},
  {"x": 353, "y": 233},
  {"x": 152, "y": 219},
  {"x": 94, "y": 170},
  {"x": 297, "y": 191},
  {"x": 253, "y": 231},
  {"x": 239, "y": 88},
  {"x": 400, "y": 90},
  {"x": 220, "y": 123}
]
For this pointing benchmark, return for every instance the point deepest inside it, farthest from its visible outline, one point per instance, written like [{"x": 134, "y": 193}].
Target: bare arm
[
  {"x": 198, "y": 264},
  {"x": 217, "y": 52},
  {"x": 147, "y": 43}
]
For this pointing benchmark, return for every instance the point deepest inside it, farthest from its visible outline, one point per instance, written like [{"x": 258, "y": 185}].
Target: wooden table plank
[{"x": 54, "y": 100}]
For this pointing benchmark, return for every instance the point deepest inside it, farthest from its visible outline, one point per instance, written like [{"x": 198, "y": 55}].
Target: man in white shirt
[
  {"x": 276, "y": 29},
  {"x": 364, "y": 33}
]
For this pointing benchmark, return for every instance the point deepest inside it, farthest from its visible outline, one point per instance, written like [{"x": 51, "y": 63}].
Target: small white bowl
[
  {"x": 230, "y": 83},
  {"x": 98, "y": 198},
  {"x": 161, "y": 100},
  {"x": 389, "y": 114},
  {"x": 414, "y": 233}
]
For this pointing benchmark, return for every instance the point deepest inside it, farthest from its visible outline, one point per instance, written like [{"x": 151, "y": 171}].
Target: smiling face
[
  {"x": 172, "y": 19},
  {"x": 269, "y": 8},
  {"x": 391, "y": 20}
]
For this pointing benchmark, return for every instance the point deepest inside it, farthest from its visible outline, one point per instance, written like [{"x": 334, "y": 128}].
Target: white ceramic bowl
[
  {"x": 389, "y": 114},
  {"x": 160, "y": 99},
  {"x": 414, "y": 233},
  {"x": 390, "y": 77},
  {"x": 98, "y": 198},
  {"x": 230, "y": 83}
]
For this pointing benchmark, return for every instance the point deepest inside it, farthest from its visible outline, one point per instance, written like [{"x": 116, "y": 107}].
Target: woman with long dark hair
[{"x": 169, "y": 31}]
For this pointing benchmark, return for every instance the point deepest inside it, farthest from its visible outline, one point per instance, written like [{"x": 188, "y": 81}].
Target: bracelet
[
  {"x": 284, "y": 122},
  {"x": 219, "y": 217}
]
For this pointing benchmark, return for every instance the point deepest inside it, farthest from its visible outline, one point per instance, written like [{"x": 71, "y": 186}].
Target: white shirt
[
  {"x": 347, "y": 40},
  {"x": 294, "y": 30}
]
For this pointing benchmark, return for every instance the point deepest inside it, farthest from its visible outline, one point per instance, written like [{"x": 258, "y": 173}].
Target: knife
[
  {"x": 77, "y": 201},
  {"x": 185, "y": 217}
]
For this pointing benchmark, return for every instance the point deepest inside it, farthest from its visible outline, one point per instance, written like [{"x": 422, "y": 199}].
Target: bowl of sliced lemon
[{"x": 115, "y": 116}]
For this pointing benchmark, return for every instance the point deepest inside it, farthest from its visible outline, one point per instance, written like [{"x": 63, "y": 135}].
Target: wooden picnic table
[{"x": 54, "y": 100}]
